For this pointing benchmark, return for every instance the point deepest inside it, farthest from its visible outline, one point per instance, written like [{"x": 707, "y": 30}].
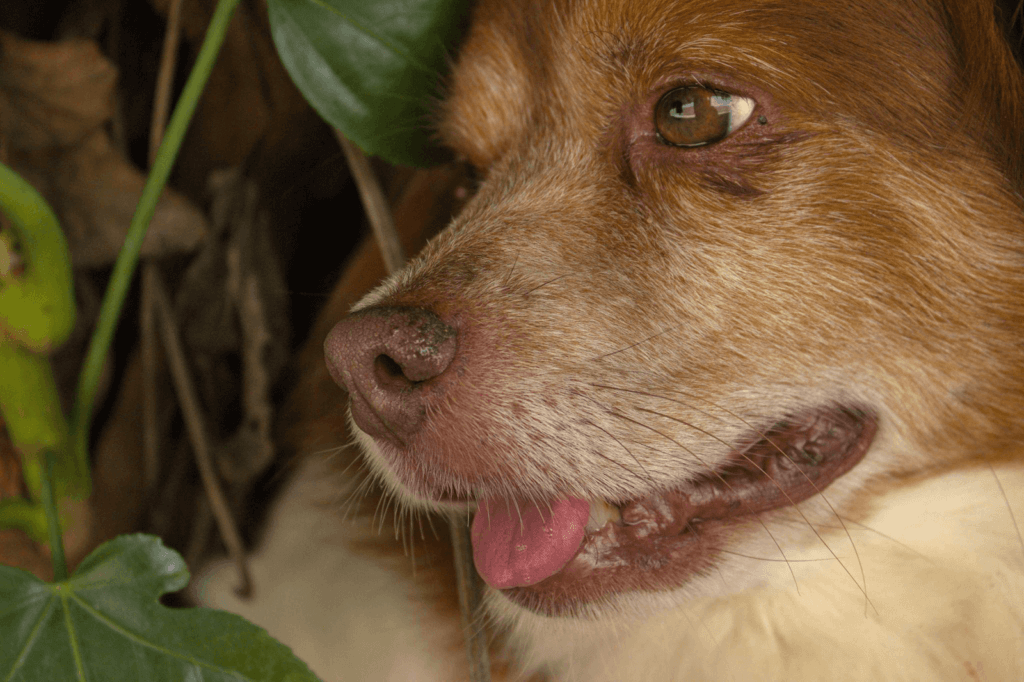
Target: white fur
[
  {"x": 346, "y": 616},
  {"x": 942, "y": 558},
  {"x": 945, "y": 579}
]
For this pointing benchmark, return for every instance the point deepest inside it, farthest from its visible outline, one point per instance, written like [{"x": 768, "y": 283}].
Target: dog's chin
[{"x": 662, "y": 541}]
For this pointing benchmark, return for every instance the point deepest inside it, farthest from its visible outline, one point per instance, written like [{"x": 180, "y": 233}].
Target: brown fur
[{"x": 609, "y": 290}]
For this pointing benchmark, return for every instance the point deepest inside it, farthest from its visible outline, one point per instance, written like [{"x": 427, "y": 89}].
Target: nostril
[
  {"x": 389, "y": 373},
  {"x": 383, "y": 356}
]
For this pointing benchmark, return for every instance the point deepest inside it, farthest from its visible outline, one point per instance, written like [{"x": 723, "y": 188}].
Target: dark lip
[{"x": 665, "y": 539}]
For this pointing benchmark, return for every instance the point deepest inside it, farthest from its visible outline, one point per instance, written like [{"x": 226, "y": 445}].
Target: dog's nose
[{"x": 390, "y": 361}]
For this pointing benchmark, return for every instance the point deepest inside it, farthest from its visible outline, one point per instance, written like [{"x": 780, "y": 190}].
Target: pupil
[{"x": 681, "y": 109}]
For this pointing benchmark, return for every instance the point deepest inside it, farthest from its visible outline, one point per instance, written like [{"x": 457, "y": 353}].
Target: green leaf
[
  {"x": 105, "y": 623},
  {"x": 37, "y": 313},
  {"x": 37, "y": 310},
  {"x": 371, "y": 68}
]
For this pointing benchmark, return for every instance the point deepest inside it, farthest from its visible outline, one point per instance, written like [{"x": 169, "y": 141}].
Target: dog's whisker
[
  {"x": 782, "y": 490},
  {"x": 644, "y": 479},
  {"x": 382, "y": 510},
  {"x": 417, "y": 516},
  {"x": 835, "y": 513},
  {"x": 1009, "y": 507},
  {"x": 633, "y": 345},
  {"x": 397, "y": 523},
  {"x": 353, "y": 462},
  {"x": 412, "y": 547},
  {"x": 762, "y": 435},
  {"x": 357, "y": 495},
  {"x": 724, "y": 481},
  {"x": 508, "y": 275},
  {"x": 609, "y": 411},
  {"x": 785, "y": 289},
  {"x": 773, "y": 560},
  {"x": 544, "y": 284}
]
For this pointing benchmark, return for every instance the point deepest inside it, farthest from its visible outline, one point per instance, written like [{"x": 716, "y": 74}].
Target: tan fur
[{"x": 632, "y": 310}]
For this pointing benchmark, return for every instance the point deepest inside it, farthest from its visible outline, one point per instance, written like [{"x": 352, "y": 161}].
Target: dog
[{"x": 722, "y": 360}]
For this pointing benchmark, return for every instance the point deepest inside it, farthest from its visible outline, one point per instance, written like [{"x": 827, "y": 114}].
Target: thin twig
[
  {"x": 383, "y": 226},
  {"x": 185, "y": 388},
  {"x": 375, "y": 205},
  {"x": 469, "y": 601},
  {"x": 165, "y": 79},
  {"x": 122, "y": 276},
  {"x": 150, "y": 396},
  {"x": 154, "y": 298},
  {"x": 150, "y": 367}
]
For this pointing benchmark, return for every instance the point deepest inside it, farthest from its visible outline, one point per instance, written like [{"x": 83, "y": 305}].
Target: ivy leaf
[
  {"x": 105, "y": 623},
  {"x": 371, "y": 68}
]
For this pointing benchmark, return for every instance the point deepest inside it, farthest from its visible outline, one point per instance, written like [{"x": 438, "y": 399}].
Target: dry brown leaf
[
  {"x": 233, "y": 302},
  {"x": 53, "y": 94},
  {"x": 248, "y": 91},
  {"x": 55, "y": 101}
]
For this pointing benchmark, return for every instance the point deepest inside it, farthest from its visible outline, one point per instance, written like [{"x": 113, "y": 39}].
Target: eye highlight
[{"x": 694, "y": 116}]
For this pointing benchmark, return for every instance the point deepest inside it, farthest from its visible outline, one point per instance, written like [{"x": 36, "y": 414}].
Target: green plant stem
[
  {"x": 60, "y": 566},
  {"x": 128, "y": 259}
]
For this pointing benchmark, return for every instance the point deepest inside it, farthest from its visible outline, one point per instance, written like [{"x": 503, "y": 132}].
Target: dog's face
[{"x": 730, "y": 268}]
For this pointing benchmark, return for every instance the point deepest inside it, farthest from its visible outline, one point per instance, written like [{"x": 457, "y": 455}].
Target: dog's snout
[{"x": 390, "y": 360}]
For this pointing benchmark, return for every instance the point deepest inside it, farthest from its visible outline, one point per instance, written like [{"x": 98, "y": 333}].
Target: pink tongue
[{"x": 508, "y": 554}]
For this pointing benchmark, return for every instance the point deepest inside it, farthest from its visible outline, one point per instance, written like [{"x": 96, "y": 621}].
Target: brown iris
[{"x": 693, "y": 116}]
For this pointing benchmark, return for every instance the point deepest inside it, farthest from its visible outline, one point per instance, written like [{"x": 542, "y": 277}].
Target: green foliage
[
  {"x": 106, "y": 623},
  {"x": 371, "y": 69},
  {"x": 128, "y": 258},
  {"x": 37, "y": 312}
]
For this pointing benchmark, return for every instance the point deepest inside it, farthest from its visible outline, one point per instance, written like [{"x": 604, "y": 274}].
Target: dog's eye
[{"x": 694, "y": 116}]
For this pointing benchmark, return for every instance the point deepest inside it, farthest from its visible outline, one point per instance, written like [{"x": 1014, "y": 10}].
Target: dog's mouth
[{"x": 556, "y": 558}]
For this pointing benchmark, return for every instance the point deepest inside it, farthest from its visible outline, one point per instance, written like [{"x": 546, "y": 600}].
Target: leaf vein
[
  {"x": 73, "y": 640},
  {"x": 137, "y": 639},
  {"x": 36, "y": 629},
  {"x": 396, "y": 48}
]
